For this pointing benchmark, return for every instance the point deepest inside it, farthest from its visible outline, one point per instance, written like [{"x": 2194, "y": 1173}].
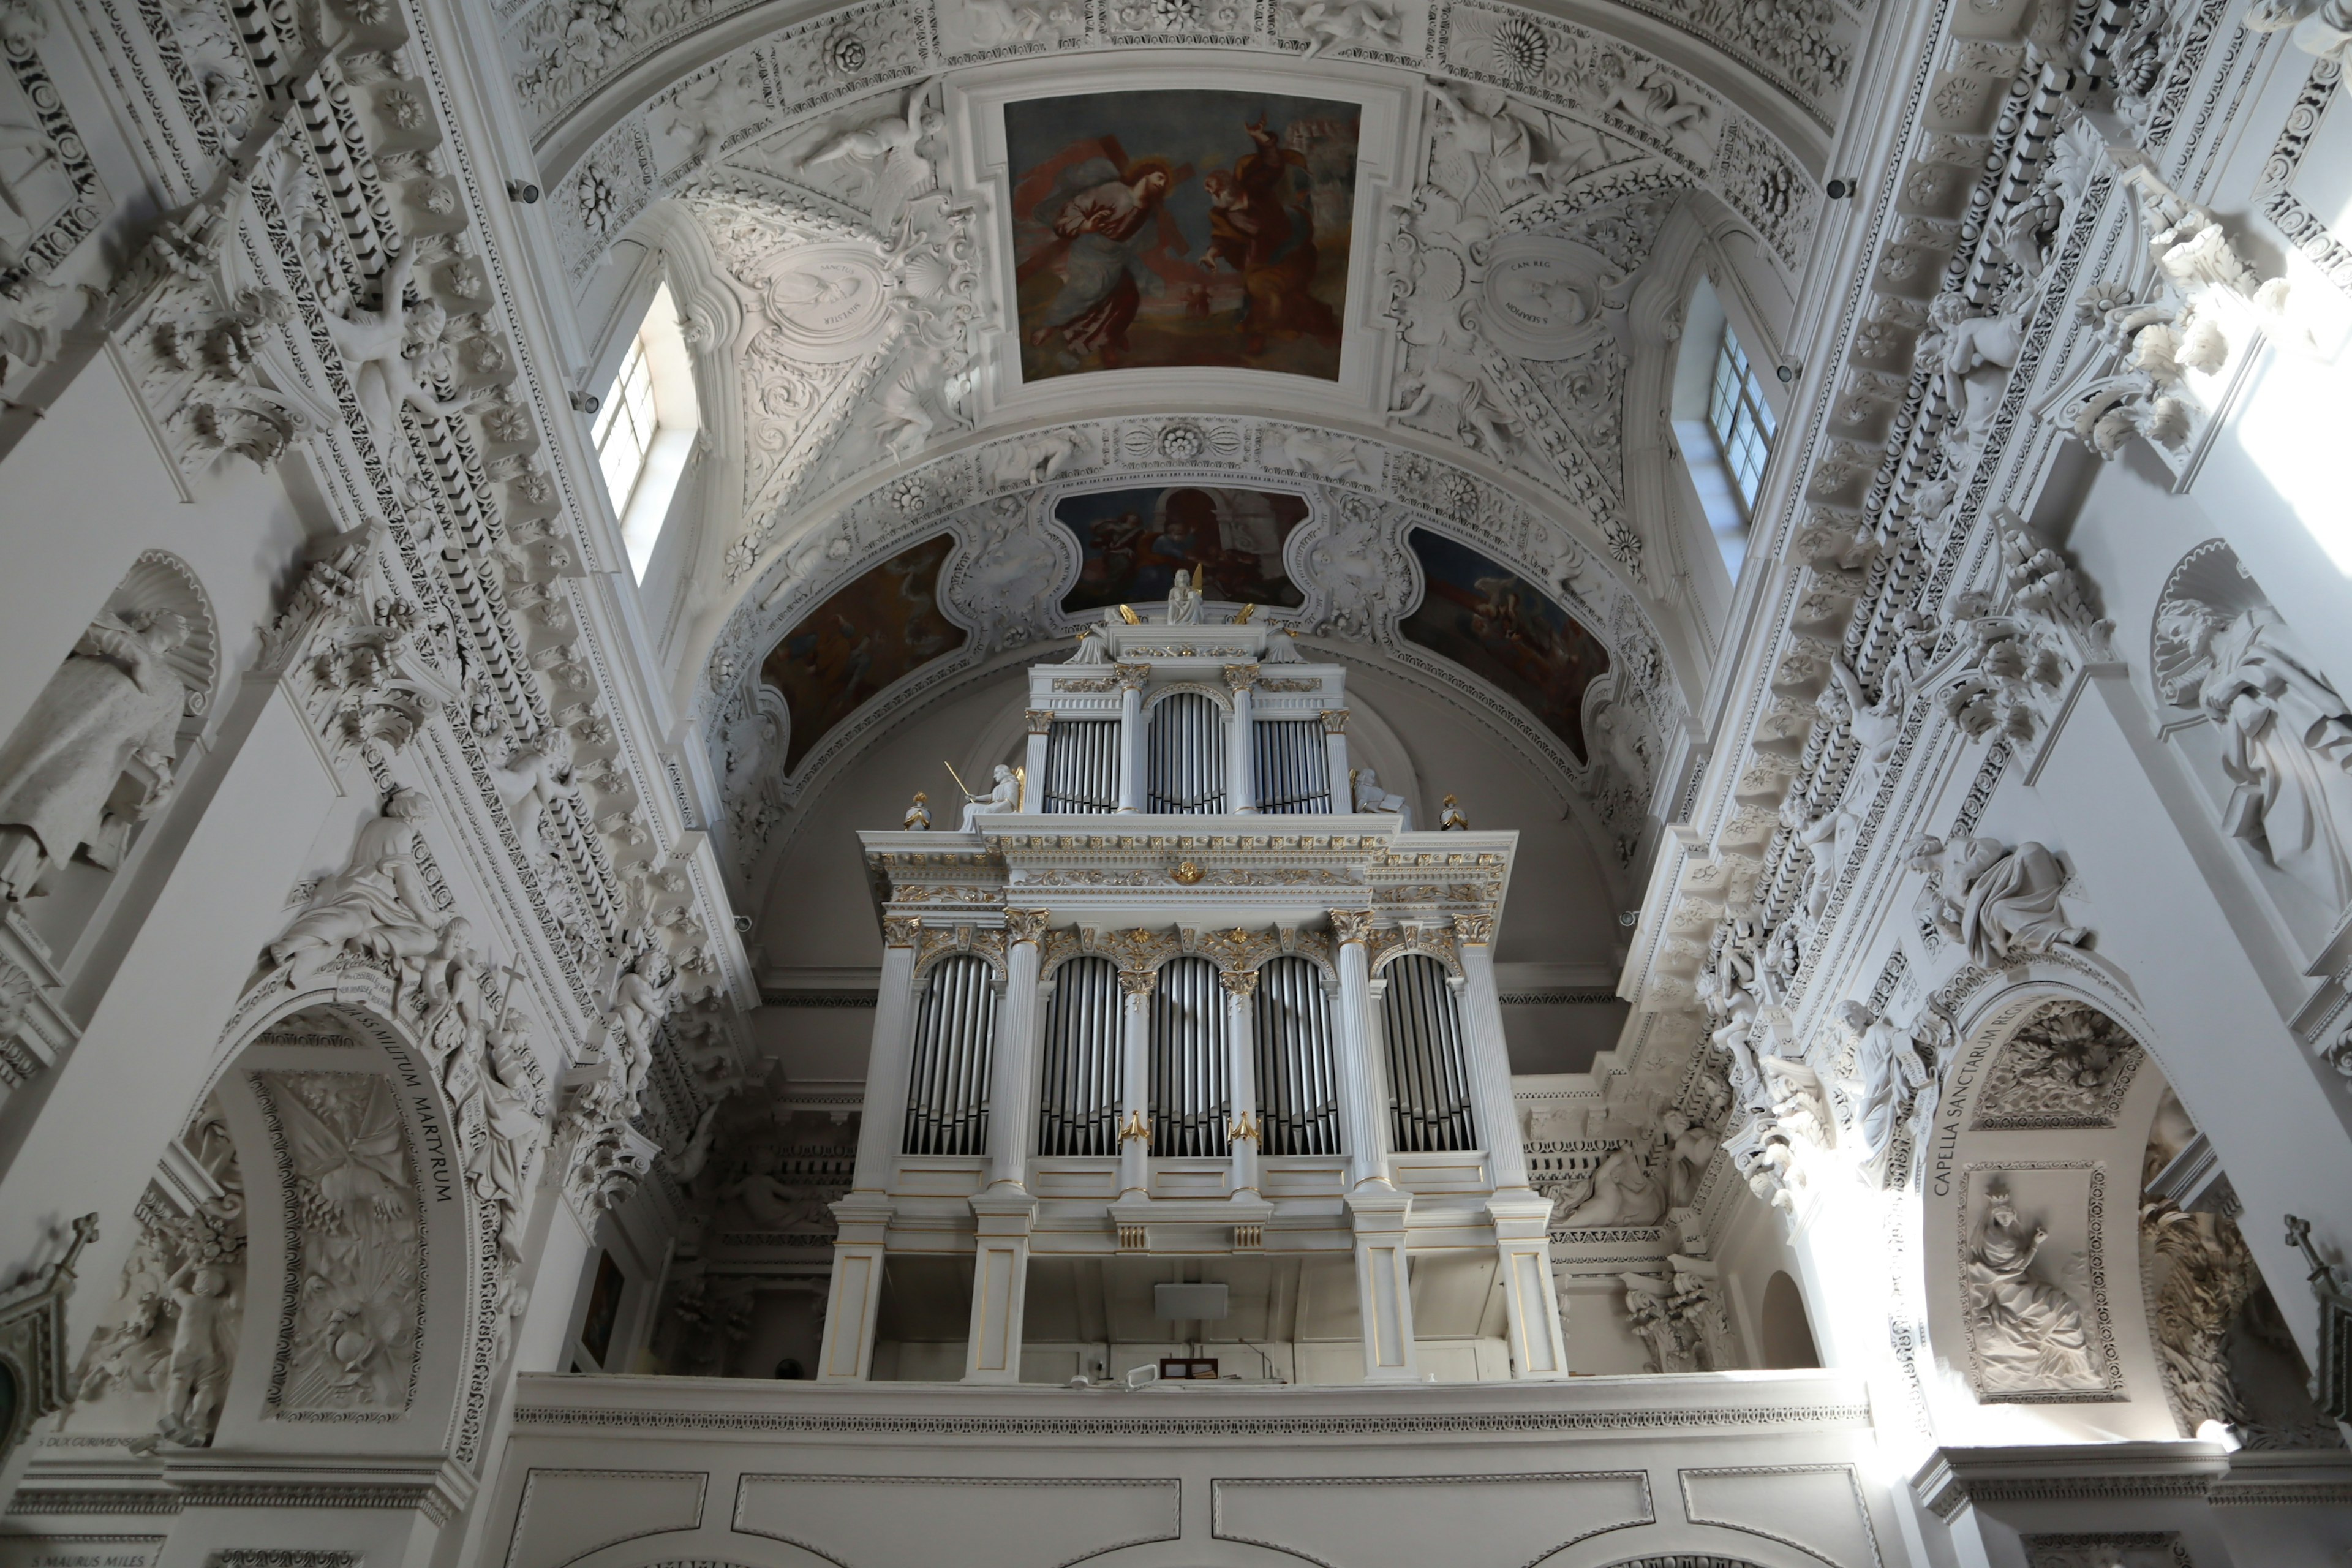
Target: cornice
[{"x": 1954, "y": 1478}]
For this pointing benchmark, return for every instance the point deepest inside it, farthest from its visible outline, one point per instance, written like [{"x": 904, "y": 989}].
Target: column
[
  {"x": 1522, "y": 1218},
  {"x": 1335, "y": 746},
  {"x": 1136, "y": 986},
  {"x": 1131, "y": 678},
  {"x": 1241, "y": 757},
  {"x": 1013, "y": 1079},
  {"x": 1241, "y": 1073},
  {"x": 1033, "y": 794},
  {"x": 855, "y": 1295},
  {"x": 1363, "y": 1109},
  {"x": 999, "y": 1284}
]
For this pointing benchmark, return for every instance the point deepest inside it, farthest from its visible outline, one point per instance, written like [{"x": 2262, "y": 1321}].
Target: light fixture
[
  {"x": 1787, "y": 373},
  {"x": 522, "y": 191},
  {"x": 1838, "y": 190},
  {"x": 588, "y": 402}
]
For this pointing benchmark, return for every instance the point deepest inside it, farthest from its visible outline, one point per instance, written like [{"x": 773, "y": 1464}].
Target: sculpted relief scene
[{"x": 1175, "y": 782}]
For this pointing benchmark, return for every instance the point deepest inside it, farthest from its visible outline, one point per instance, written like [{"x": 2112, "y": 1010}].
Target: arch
[{"x": 1785, "y": 1328}]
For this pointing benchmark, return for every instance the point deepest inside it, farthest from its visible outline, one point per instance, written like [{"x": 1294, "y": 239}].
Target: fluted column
[
  {"x": 1522, "y": 1218},
  {"x": 1134, "y": 986},
  {"x": 1131, "y": 678},
  {"x": 1241, "y": 1072},
  {"x": 854, "y": 1297},
  {"x": 1335, "y": 747},
  {"x": 1363, "y": 1119},
  {"x": 1033, "y": 793},
  {"x": 1013, "y": 1080},
  {"x": 1241, "y": 756}
]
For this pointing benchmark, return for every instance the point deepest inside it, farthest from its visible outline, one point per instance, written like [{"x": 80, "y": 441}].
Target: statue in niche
[
  {"x": 1183, "y": 600},
  {"x": 1003, "y": 794},
  {"x": 1999, "y": 904},
  {"x": 94, "y": 756},
  {"x": 377, "y": 906},
  {"x": 2028, "y": 1332},
  {"x": 2287, "y": 736}
]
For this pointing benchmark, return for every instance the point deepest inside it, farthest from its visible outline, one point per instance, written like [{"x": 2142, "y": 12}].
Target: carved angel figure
[
  {"x": 377, "y": 906},
  {"x": 2287, "y": 736},
  {"x": 1626, "y": 1189},
  {"x": 641, "y": 1000},
  {"x": 196, "y": 1373},
  {"x": 1342, "y": 25},
  {"x": 544, "y": 770},
  {"x": 2322, "y": 27},
  {"x": 94, "y": 756},
  {"x": 1999, "y": 904},
  {"x": 395, "y": 351},
  {"x": 1887, "y": 1076}
]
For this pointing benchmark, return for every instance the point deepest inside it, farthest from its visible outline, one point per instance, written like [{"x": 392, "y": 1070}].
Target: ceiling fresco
[
  {"x": 1136, "y": 540},
  {"x": 1495, "y": 623},
  {"x": 880, "y": 625},
  {"x": 1181, "y": 229}
]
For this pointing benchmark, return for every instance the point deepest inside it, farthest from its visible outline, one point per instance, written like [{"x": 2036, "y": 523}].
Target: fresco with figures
[
  {"x": 1190, "y": 228},
  {"x": 868, "y": 634},
  {"x": 1136, "y": 540},
  {"x": 1501, "y": 626}
]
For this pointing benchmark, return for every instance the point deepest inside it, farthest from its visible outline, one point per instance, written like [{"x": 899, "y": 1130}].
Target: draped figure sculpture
[
  {"x": 2028, "y": 1333},
  {"x": 94, "y": 756}
]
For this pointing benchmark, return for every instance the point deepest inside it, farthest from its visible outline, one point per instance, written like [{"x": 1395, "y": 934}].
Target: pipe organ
[{"x": 1174, "y": 1016}]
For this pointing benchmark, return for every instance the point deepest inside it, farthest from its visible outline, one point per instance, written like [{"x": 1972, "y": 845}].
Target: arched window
[
  {"x": 1185, "y": 758},
  {"x": 1189, "y": 1101},
  {"x": 1079, "y": 1089},
  {"x": 1298, "y": 1084},
  {"x": 1429, "y": 1079},
  {"x": 946, "y": 1088},
  {"x": 1723, "y": 424},
  {"x": 644, "y": 427}
]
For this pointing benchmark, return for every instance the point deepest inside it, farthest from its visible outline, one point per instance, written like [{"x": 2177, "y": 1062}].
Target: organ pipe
[
  {"x": 1293, "y": 765},
  {"x": 1078, "y": 1098},
  {"x": 955, "y": 1031},
  {"x": 1082, "y": 765},
  {"x": 1189, "y": 1101},
  {"x": 1297, "y": 1087},
  {"x": 1185, "y": 756},
  {"x": 1429, "y": 1078}
]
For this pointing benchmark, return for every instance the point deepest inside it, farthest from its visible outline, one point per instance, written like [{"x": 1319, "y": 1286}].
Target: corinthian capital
[
  {"x": 1334, "y": 720},
  {"x": 1139, "y": 981},
  {"x": 900, "y": 930},
  {"x": 1473, "y": 931},
  {"x": 1238, "y": 981},
  {"x": 1241, "y": 677},
  {"x": 1352, "y": 925},
  {"x": 1025, "y": 925},
  {"x": 1131, "y": 676}
]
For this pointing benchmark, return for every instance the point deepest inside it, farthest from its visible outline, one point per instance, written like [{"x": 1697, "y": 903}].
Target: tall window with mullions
[{"x": 1740, "y": 418}]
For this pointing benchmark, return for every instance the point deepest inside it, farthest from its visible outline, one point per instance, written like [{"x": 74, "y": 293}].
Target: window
[
  {"x": 645, "y": 428},
  {"x": 1736, "y": 413}
]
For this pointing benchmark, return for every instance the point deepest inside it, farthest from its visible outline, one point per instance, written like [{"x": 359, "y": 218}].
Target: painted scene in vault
[
  {"x": 872, "y": 630},
  {"x": 1185, "y": 228},
  {"x": 1502, "y": 627},
  {"x": 1136, "y": 540}
]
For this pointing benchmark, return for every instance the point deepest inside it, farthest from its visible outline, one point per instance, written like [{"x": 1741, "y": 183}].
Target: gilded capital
[
  {"x": 1025, "y": 925},
  {"x": 901, "y": 931},
  {"x": 1238, "y": 981},
  {"x": 1139, "y": 981},
  {"x": 1240, "y": 677},
  {"x": 1334, "y": 720},
  {"x": 1132, "y": 676},
  {"x": 1352, "y": 925},
  {"x": 1473, "y": 931},
  {"x": 1040, "y": 720}
]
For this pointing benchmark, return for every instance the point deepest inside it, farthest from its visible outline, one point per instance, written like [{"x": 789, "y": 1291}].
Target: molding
[{"x": 1955, "y": 1477}]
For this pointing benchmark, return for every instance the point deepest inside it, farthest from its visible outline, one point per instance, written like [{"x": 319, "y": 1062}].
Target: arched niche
[
  {"x": 2031, "y": 1187},
  {"x": 369, "y": 1319}
]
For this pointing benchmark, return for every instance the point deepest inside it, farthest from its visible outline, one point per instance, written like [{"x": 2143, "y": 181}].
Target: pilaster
[{"x": 999, "y": 1284}]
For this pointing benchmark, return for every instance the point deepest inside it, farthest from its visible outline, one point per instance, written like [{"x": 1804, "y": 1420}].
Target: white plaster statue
[
  {"x": 196, "y": 1375},
  {"x": 2287, "y": 738},
  {"x": 1646, "y": 1303},
  {"x": 688, "y": 1163},
  {"x": 1887, "y": 1075},
  {"x": 1498, "y": 146},
  {"x": 1975, "y": 353},
  {"x": 1626, "y": 1189},
  {"x": 1002, "y": 796},
  {"x": 1371, "y": 797},
  {"x": 1183, "y": 600},
  {"x": 1342, "y": 25},
  {"x": 505, "y": 1168},
  {"x": 2322, "y": 27},
  {"x": 396, "y": 351},
  {"x": 1688, "y": 1148},
  {"x": 2028, "y": 1333},
  {"x": 1698, "y": 1314},
  {"x": 1999, "y": 904},
  {"x": 878, "y": 139},
  {"x": 94, "y": 756},
  {"x": 641, "y": 1000},
  {"x": 377, "y": 906},
  {"x": 544, "y": 770}
]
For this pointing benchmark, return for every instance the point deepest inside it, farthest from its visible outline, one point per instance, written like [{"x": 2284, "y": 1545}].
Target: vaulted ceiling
[{"x": 1003, "y": 309}]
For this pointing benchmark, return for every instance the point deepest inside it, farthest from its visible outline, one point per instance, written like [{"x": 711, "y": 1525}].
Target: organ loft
[{"x": 1181, "y": 1052}]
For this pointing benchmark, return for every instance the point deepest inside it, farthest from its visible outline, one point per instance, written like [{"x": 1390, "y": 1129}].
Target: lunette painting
[
  {"x": 1181, "y": 228},
  {"x": 1505, "y": 628},
  {"x": 868, "y": 633},
  {"x": 1135, "y": 541}
]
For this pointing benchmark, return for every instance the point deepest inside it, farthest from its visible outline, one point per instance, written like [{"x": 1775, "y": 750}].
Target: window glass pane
[
  {"x": 624, "y": 425},
  {"x": 1741, "y": 419}
]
